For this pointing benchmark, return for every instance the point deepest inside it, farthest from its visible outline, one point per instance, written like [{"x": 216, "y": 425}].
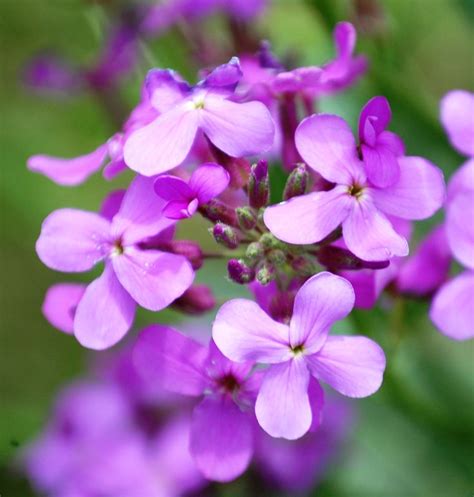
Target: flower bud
[
  {"x": 296, "y": 183},
  {"x": 215, "y": 211},
  {"x": 336, "y": 258},
  {"x": 239, "y": 272},
  {"x": 268, "y": 241},
  {"x": 225, "y": 235},
  {"x": 304, "y": 264},
  {"x": 259, "y": 185},
  {"x": 196, "y": 300},
  {"x": 265, "y": 274},
  {"x": 277, "y": 257},
  {"x": 246, "y": 217},
  {"x": 254, "y": 252}
]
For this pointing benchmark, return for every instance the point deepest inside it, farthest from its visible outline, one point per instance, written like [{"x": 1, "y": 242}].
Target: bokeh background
[{"x": 416, "y": 436}]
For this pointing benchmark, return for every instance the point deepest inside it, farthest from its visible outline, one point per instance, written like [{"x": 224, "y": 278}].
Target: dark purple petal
[
  {"x": 377, "y": 109},
  {"x": 165, "y": 88},
  {"x": 225, "y": 76}
]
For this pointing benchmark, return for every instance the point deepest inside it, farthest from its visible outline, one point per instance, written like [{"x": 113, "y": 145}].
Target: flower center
[
  {"x": 355, "y": 190},
  {"x": 228, "y": 383},
  {"x": 297, "y": 349},
  {"x": 117, "y": 248},
  {"x": 199, "y": 102}
]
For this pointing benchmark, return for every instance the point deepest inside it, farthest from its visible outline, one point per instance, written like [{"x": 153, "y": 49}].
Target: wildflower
[
  {"x": 72, "y": 240},
  {"x": 238, "y": 129},
  {"x": 183, "y": 198},
  {"x": 327, "y": 145},
  {"x": 353, "y": 365},
  {"x": 221, "y": 439}
]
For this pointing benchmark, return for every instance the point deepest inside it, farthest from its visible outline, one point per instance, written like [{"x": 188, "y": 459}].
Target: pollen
[
  {"x": 355, "y": 190},
  {"x": 298, "y": 349}
]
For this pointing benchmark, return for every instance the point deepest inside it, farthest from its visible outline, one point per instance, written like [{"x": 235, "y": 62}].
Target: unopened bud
[
  {"x": 265, "y": 274},
  {"x": 339, "y": 258},
  {"x": 246, "y": 217},
  {"x": 303, "y": 264},
  {"x": 268, "y": 241},
  {"x": 239, "y": 272},
  {"x": 277, "y": 257},
  {"x": 195, "y": 300},
  {"x": 259, "y": 185},
  {"x": 225, "y": 235},
  {"x": 296, "y": 182},
  {"x": 254, "y": 252},
  {"x": 215, "y": 211}
]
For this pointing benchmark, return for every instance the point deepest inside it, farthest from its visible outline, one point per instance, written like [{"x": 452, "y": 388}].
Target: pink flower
[
  {"x": 183, "y": 198},
  {"x": 221, "y": 439},
  {"x": 72, "y": 240},
  {"x": 238, "y": 129},
  {"x": 352, "y": 365},
  {"x": 327, "y": 145}
]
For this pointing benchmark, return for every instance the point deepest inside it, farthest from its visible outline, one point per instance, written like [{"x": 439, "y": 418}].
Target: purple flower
[
  {"x": 457, "y": 111},
  {"x": 222, "y": 423},
  {"x": 327, "y": 145},
  {"x": 72, "y": 240},
  {"x": 60, "y": 304},
  {"x": 352, "y": 365},
  {"x": 184, "y": 197},
  {"x": 380, "y": 148},
  {"x": 238, "y": 129}
]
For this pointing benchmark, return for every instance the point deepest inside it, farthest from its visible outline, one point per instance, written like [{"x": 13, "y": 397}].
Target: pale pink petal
[
  {"x": 283, "y": 408},
  {"x": 308, "y": 218},
  {"x": 452, "y": 309},
  {"x": 169, "y": 359},
  {"x": 164, "y": 143},
  {"x": 140, "y": 216},
  {"x": 72, "y": 240},
  {"x": 238, "y": 129},
  {"x": 457, "y": 116},
  {"x": 352, "y": 365},
  {"x": 370, "y": 236},
  {"x": 208, "y": 181},
  {"x": 244, "y": 332},
  {"x": 221, "y": 438},
  {"x": 60, "y": 303},
  {"x": 105, "y": 312},
  {"x": 460, "y": 227},
  {"x": 418, "y": 194},
  {"x": 68, "y": 172},
  {"x": 165, "y": 88},
  {"x": 326, "y": 144},
  {"x": 462, "y": 179},
  {"x": 153, "y": 278},
  {"x": 319, "y": 303}
]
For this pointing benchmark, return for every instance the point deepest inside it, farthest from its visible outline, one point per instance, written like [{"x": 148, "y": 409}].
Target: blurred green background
[{"x": 415, "y": 437}]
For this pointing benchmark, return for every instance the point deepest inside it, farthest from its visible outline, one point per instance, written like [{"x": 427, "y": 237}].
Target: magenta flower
[
  {"x": 184, "y": 197},
  {"x": 352, "y": 365},
  {"x": 380, "y": 148},
  {"x": 238, "y": 129},
  {"x": 327, "y": 145},
  {"x": 72, "y": 240},
  {"x": 222, "y": 423}
]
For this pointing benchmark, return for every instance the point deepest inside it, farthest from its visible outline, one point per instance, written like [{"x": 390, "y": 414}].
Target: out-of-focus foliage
[{"x": 415, "y": 437}]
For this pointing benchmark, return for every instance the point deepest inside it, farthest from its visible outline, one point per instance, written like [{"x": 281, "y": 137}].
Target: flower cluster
[{"x": 333, "y": 236}]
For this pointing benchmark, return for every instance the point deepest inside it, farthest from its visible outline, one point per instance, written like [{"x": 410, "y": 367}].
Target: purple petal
[
  {"x": 457, "y": 111},
  {"x": 352, "y": 365},
  {"x": 283, "y": 408},
  {"x": 172, "y": 188},
  {"x": 208, "y": 181},
  {"x": 428, "y": 268},
  {"x": 105, "y": 312},
  {"x": 327, "y": 145},
  {"x": 316, "y": 400},
  {"x": 224, "y": 76},
  {"x": 244, "y": 332},
  {"x": 380, "y": 114},
  {"x": 153, "y": 278},
  {"x": 460, "y": 227},
  {"x": 320, "y": 302},
  {"x": 72, "y": 240},
  {"x": 392, "y": 142},
  {"x": 462, "y": 179},
  {"x": 318, "y": 214},
  {"x": 381, "y": 166},
  {"x": 345, "y": 39},
  {"x": 139, "y": 215},
  {"x": 238, "y": 129},
  {"x": 419, "y": 193},
  {"x": 221, "y": 438},
  {"x": 60, "y": 303},
  {"x": 165, "y": 88},
  {"x": 164, "y": 143},
  {"x": 180, "y": 210},
  {"x": 111, "y": 204},
  {"x": 370, "y": 236},
  {"x": 68, "y": 172},
  {"x": 451, "y": 309},
  {"x": 166, "y": 357}
]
